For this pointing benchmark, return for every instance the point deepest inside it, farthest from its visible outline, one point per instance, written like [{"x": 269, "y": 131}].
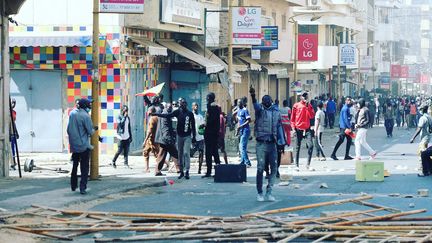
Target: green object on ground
[{"x": 369, "y": 171}]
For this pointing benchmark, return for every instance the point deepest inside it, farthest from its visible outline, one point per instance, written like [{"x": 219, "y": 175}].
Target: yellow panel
[
  {"x": 70, "y": 72},
  {"x": 70, "y": 92},
  {"x": 110, "y": 85},
  {"x": 49, "y": 50},
  {"x": 77, "y": 78}
]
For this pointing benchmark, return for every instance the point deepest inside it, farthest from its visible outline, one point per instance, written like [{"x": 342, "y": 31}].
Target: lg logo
[{"x": 307, "y": 45}]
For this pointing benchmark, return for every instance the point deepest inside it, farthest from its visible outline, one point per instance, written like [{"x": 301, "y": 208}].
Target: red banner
[
  {"x": 307, "y": 47},
  {"x": 404, "y": 71},
  {"x": 395, "y": 71},
  {"x": 424, "y": 79}
]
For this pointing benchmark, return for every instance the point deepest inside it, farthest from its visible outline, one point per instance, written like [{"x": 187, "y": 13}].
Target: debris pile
[{"x": 369, "y": 223}]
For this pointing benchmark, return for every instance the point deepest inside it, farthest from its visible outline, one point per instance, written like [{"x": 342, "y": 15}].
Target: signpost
[
  {"x": 246, "y": 25},
  {"x": 121, "y": 6},
  {"x": 347, "y": 54},
  {"x": 342, "y": 73}
]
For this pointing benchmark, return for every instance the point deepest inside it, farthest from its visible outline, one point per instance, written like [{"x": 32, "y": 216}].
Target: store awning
[
  {"x": 72, "y": 40},
  {"x": 280, "y": 70},
  {"x": 210, "y": 66},
  {"x": 153, "y": 48},
  {"x": 239, "y": 66},
  {"x": 198, "y": 48},
  {"x": 253, "y": 65}
]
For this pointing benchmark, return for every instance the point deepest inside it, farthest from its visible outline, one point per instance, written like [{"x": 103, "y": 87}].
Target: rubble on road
[{"x": 375, "y": 223}]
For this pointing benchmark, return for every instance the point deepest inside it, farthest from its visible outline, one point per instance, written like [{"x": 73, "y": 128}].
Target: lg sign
[
  {"x": 307, "y": 47},
  {"x": 244, "y": 11}
]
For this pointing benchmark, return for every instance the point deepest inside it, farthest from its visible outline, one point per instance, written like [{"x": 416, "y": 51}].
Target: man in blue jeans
[
  {"x": 270, "y": 138},
  {"x": 243, "y": 130},
  {"x": 330, "y": 112},
  {"x": 344, "y": 123}
]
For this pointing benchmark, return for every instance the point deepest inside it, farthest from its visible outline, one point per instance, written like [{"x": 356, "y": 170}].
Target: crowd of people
[{"x": 176, "y": 133}]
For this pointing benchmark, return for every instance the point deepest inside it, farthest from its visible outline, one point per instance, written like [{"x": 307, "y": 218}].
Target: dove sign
[{"x": 307, "y": 47}]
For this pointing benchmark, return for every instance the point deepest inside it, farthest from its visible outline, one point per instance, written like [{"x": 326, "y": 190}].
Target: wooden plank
[
  {"x": 427, "y": 238},
  {"x": 334, "y": 216},
  {"x": 59, "y": 237},
  {"x": 315, "y": 205},
  {"x": 388, "y": 239},
  {"x": 355, "y": 238},
  {"x": 295, "y": 235},
  {"x": 323, "y": 238},
  {"x": 373, "y": 205},
  {"x": 378, "y": 218}
]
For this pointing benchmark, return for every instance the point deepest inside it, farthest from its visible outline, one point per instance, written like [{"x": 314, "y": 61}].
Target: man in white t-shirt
[
  {"x": 199, "y": 144},
  {"x": 319, "y": 129}
]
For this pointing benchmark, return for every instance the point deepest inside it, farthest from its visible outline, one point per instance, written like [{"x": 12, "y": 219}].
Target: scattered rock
[
  {"x": 98, "y": 235},
  {"x": 408, "y": 196},
  {"x": 285, "y": 183},
  {"x": 286, "y": 177},
  {"x": 423, "y": 192},
  {"x": 305, "y": 179},
  {"x": 324, "y": 186},
  {"x": 411, "y": 205},
  {"x": 363, "y": 193},
  {"x": 296, "y": 186},
  {"x": 386, "y": 173},
  {"x": 394, "y": 195}
]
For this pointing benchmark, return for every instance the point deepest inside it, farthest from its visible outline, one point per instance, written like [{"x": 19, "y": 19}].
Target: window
[
  {"x": 274, "y": 18},
  {"x": 284, "y": 22},
  {"x": 263, "y": 12},
  {"x": 224, "y": 4}
]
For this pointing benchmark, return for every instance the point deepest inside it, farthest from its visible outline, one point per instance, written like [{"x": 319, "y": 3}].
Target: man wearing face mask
[
  {"x": 79, "y": 130},
  {"x": 211, "y": 133},
  {"x": 185, "y": 127},
  {"x": 301, "y": 116},
  {"x": 124, "y": 135},
  {"x": 344, "y": 124},
  {"x": 270, "y": 137}
]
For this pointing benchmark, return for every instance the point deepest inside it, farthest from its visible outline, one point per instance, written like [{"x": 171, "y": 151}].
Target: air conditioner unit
[{"x": 314, "y": 4}]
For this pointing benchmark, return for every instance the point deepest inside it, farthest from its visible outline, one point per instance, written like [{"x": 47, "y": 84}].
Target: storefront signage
[
  {"x": 121, "y": 6},
  {"x": 246, "y": 25},
  {"x": 404, "y": 71},
  {"x": 269, "y": 38},
  {"x": 182, "y": 12},
  {"x": 343, "y": 74},
  {"x": 307, "y": 47},
  {"x": 347, "y": 54},
  {"x": 395, "y": 71}
]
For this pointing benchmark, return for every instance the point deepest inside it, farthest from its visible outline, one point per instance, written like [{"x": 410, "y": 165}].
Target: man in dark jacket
[
  {"x": 185, "y": 127},
  {"x": 211, "y": 132},
  {"x": 331, "y": 112},
  {"x": 270, "y": 138},
  {"x": 166, "y": 138},
  {"x": 344, "y": 124}
]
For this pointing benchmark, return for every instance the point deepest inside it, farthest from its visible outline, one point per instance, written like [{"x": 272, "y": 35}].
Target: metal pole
[
  {"x": 295, "y": 52},
  {"x": 205, "y": 30},
  {"x": 94, "y": 170},
  {"x": 339, "y": 76},
  {"x": 358, "y": 70},
  {"x": 373, "y": 68},
  {"x": 230, "y": 41},
  {"x": 4, "y": 93}
]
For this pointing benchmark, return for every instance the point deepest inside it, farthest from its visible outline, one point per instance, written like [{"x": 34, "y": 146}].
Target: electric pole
[
  {"x": 94, "y": 169},
  {"x": 230, "y": 41}
]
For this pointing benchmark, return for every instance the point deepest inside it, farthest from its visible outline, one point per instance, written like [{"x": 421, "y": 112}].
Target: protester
[
  {"x": 185, "y": 128},
  {"x": 319, "y": 129},
  {"x": 286, "y": 117},
  {"x": 199, "y": 143},
  {"x": 331, "y": 112},
  {"x": 426, "y": 162},
  {"x": 389, "y": 113},
  {"x": 79, "y": 130},
  {"x": 412, "y": 114},
  {"x": 211, "y": 133},
  {"x": 424, "y": 129},
  {"x": 362, "y": 119},
  {"x": 166, "y": 139},
  {"x": 345, "y": 128},
  {"x": 13, "y": 132},
  {"x": 124, "y": 135},
  {"x": 221, "y": 136},
  {"x": 243, "y": 130},
  {"x": 269, "y": 136},
  {"x": 301, "y": 116},
  {"x": 149, "y": 145}
]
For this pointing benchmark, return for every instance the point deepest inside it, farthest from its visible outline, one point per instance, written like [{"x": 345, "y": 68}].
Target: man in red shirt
[{"x": 301, "y": 115}]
